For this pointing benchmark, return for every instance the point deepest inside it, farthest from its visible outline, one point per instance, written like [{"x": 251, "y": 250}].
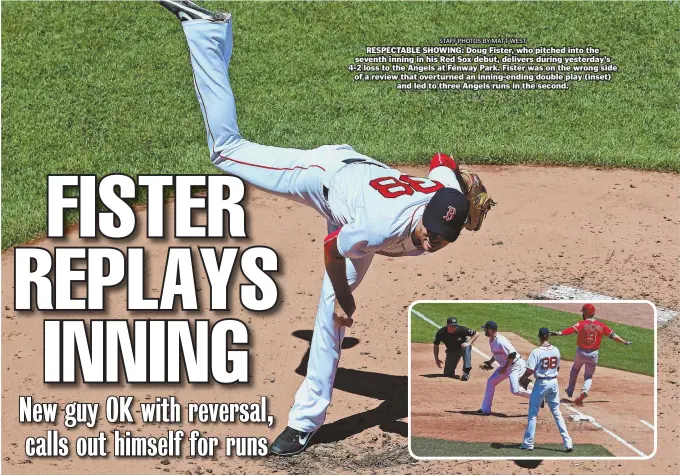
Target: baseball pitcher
[
  {"x": 589, "y": 337},
  {"x": 510, "y": 366},
  {"x": 544, "y": 363},
  {"x": 369, "y": 207}
]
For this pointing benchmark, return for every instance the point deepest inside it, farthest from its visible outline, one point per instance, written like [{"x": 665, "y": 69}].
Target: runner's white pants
[
  {"x": 513, "y": 373},
  {"x": 296, "y": 174}
]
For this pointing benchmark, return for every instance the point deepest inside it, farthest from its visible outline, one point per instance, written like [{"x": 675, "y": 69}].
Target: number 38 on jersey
[{"x": 549, "y": 363}]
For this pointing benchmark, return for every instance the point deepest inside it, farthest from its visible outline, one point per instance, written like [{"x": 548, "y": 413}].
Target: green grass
[
  {"x": 436, "y": 447},
  {"x": 526, "y": 319},
  {"x": 106, "y": 87}
]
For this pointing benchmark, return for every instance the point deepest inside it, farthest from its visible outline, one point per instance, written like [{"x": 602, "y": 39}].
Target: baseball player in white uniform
[
  {"x": 510, "y": 366},
  {"x": 370, "y": 208},
  {"x": 544, "y": 363}
]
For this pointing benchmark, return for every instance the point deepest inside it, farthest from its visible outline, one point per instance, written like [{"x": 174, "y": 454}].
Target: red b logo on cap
[{"x": 450, "y": 214}]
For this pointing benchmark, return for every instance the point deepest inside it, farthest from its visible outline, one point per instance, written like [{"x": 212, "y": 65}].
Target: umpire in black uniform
[{"x": 455, "y": 338}]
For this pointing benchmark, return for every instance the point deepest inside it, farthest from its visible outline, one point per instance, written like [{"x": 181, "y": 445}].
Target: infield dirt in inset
[
  {"x": 582, "y": 227},
  {"x": 633, "y": 314}
]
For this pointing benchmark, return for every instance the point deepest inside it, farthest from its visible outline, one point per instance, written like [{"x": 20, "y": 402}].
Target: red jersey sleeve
[{"x": 572, "y": 329}]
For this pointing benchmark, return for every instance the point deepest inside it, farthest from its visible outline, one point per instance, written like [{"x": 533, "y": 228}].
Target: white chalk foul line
[
  {"x": 569, "y": 407},
  {"x": 648, "y": 424},
  {"x": 663, "y": 315},
  {"x": 618, "y": 438}
]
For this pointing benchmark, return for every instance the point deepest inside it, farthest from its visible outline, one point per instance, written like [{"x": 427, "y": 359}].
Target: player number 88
[{"x": 391, "y": 187}]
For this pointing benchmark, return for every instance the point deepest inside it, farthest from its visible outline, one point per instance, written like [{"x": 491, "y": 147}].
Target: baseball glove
[
  {"x": 524, "y": 382},
  {"x": 486, "y": 365},
  {"x": 480, "y": 201}
]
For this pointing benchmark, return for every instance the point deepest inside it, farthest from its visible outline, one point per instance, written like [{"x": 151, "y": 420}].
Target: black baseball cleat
[
  {"x": 186, "y": 10},
  {"x": 570, "y": 450},
  {"x": 482, "y": 412},
  {"x": 465, "y": 377},
  {"x": 290, "y": 442}
]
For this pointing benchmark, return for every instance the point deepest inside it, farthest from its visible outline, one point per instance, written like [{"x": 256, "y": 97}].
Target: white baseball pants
[
  {"x": 548, "y": 390},
  {"x": 296, "y": 174},
  {"x": 513, "y": 373}
]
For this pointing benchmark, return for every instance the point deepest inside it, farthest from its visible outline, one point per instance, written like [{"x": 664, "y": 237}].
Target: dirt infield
[
  {"x": 443, "y": 407},
  {"x": 633, "y": 314},
  {"x": 611, "y": 231}
]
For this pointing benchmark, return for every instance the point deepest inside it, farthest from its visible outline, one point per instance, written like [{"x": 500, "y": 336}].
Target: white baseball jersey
[
  {"x": 544, "y": 361},
  {"x": 501, "y": 347},
  {"x": 378, "y": 208}
]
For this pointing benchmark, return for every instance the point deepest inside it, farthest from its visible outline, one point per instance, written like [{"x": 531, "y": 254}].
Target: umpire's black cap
[
  {"x": 543, "y": 332},
  {"x": 490, "y": 325},
  {"x": 452, "y": 321},
  {"x": 446, "y": 213}
]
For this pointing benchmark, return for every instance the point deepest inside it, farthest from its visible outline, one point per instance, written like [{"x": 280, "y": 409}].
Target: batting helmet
[{"x": 588, "y": 309}]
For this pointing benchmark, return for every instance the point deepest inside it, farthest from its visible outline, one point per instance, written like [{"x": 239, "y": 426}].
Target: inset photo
[{"x": 532, "y": 379}]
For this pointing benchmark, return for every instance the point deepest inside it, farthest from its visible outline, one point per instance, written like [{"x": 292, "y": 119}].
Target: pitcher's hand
[{"x": 340, "y": 314}]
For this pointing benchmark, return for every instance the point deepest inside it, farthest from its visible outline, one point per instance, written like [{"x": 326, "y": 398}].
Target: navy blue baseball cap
[
  {"x": 543, "y": 332},
  {"x": 446, "y": 213},
  {"x": 490, "y": 325},
  {"x": 451, "y": 321}
]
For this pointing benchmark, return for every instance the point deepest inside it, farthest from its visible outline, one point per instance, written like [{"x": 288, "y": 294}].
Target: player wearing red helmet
[
  {"x": 588, "y": 310},
  {"x": 589, "y": 337}
]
